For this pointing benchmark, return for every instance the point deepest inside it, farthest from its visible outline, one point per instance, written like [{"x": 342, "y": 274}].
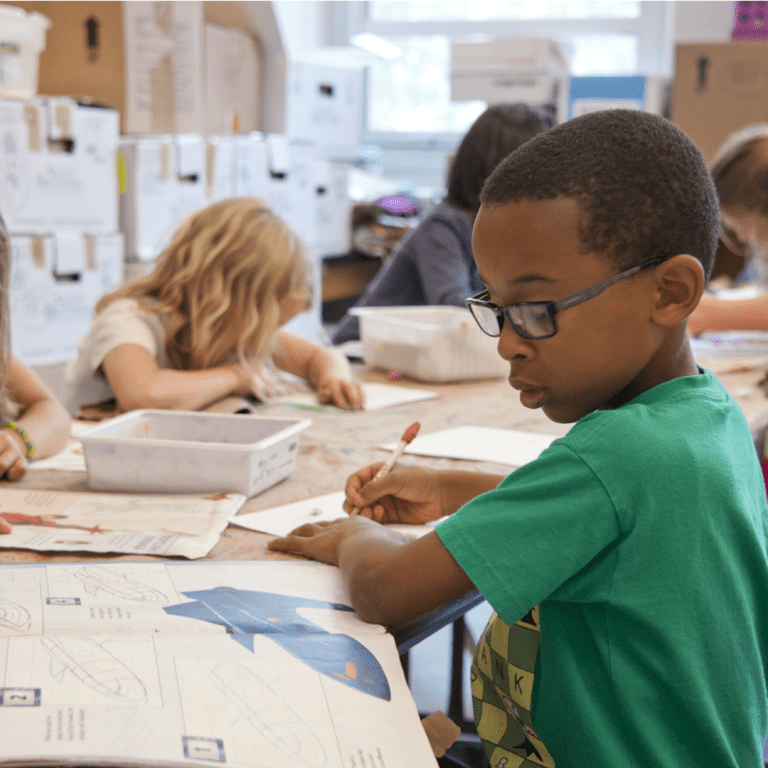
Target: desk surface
[{"x": 338, "y": 443}]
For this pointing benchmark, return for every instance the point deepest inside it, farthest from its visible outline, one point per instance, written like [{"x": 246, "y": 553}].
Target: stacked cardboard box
[{"x": 58, "y": 197}]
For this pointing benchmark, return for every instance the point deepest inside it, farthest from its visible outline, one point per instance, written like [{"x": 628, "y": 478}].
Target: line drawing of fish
[
  {"x": 94, "y": 666},
  {"x": 99, "y": 577},
  {"x": 14, "y": 616},
  {"x": 268, "y": 713},
  {"x": 245, "y": 613}
]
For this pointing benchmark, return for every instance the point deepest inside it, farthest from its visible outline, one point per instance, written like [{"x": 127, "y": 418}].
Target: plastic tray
[
  {"x": 191, "y": 452},
  {"x": 434, "y": 344}
]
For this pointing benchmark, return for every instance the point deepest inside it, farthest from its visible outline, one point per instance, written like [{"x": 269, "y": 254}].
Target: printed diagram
[
  {"x": 245, "y": 613},
  {"x": 95, "y": 667},
  {"x": 20, "y": 609},
  {"x": 114, "y": 582},
  {"x": 267, "y": 713},
  {"x": 13, "y": 616}
]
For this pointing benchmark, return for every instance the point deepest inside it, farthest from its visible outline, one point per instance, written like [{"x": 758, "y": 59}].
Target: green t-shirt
[{"x": 641, "y": 536}]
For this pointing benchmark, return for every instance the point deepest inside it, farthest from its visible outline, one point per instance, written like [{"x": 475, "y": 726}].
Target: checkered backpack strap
[{"x": 502, "y": 684}]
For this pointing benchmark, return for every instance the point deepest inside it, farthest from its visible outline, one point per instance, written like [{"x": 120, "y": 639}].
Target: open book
[{"x": 252, "y": 664}]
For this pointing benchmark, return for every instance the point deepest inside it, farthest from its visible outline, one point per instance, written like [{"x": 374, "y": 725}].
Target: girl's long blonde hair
[{"x": 220, "y": 284}]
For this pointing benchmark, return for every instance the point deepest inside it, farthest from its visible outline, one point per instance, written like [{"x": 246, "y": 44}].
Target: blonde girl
[
  {"x": 33, "y": 423},
  {"x": 205, "y": 323},
  {"x": 740, "y": 173}
]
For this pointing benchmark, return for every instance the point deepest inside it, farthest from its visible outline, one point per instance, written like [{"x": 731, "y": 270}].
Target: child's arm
[
  {"x": 391, "y": 577},
  {"x": 139, "y": 382},
  {"x": 44, "y": 418},
  {"x": 715, "y": 314},
  {"x": 327, "y": 370}
]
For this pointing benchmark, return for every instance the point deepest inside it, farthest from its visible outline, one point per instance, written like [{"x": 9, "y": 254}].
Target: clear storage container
[
  {"x": 433, "y": 344},
  {"x": 191, "y": 452}
]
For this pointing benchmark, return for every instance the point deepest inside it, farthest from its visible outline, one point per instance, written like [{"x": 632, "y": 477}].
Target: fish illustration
[
  {"x": 14, "y": 616},
  {"x": 97, "y": 577},
  {"x": 94, "y": 666},
  {"x": 245, "y": 613},
  {"x": 268, "y": 713}
]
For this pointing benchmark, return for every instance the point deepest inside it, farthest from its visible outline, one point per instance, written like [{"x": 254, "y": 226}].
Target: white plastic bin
[
  {"x": 434, "y": 344},
  {"x": 22, "y": 38},
  {"x": 191, "y": 452}
]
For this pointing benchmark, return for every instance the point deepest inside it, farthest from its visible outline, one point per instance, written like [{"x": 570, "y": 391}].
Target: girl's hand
[
  {"x": 345, "y": 393},
  {"x": 13, "y": 455},
  {"x": 243, "y": 380},
  {"x": 404, "y": 495}
]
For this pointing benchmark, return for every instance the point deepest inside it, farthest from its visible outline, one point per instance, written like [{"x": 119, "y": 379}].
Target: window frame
[{"x": 653, "y": 27}]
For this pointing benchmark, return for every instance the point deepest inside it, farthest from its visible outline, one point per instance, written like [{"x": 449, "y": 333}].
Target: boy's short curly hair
[{"x": 642, "y": 186}]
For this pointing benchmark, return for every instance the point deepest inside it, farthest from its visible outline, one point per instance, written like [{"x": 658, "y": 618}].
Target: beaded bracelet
[{"x": 24, "y": 436}]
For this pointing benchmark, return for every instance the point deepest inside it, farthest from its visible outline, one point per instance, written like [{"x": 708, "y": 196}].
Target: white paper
[
  {"x": 280, "y": 521},
  {"x": 376, "y": 396},
  {"x": 186, "y": 525},
  {"x": 500, "y": 446},
  {"x": 248, "y": 664}
]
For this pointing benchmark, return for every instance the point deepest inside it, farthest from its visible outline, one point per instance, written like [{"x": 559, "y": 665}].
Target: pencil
[{"x": 408, "y": 435}]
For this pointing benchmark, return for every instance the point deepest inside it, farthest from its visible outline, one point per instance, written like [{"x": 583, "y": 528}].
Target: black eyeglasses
[{"x": 536, "y": 319}]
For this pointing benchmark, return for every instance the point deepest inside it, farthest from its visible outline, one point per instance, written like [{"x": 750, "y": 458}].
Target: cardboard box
[
  {"x": 56, "y": 280},
  {"x": 144, "y": 59},
  {"x": 333, "y": 207},
  {"x": 163, "y": 180},
  {"x": 718, "y": 89},
  {"x": 220, "y": 167},
  {"x": 290, "y": 189},
  {"x": 232, "y": 81},
  {"x": 324, "y": 107},
  {"x": 58, "y": 166},
  {"x": 592, "y": 94},
  {"x": 507, "y": 70},
  {"x": 251, "y": 166}
]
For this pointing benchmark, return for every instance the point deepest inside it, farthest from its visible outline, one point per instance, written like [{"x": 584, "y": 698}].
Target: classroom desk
[{"x": 339, "y": 442}]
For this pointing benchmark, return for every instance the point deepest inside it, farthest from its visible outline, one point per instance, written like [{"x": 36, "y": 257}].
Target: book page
[
  {"x": 186, "y": 525},
  {"x": 252, "y": 664}
]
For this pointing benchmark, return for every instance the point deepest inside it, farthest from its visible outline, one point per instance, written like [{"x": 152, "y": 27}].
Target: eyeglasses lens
[
  {"x": 533, "y": 320},
  {"x": 487, "y": 319}
]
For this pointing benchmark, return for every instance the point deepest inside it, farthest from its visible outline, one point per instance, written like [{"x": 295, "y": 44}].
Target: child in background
[
  {"x": 434, "y": 264},
  {"x": 34, "y": 423},
  {"x": 627, "y": 565},
  {"x": 205, "y": 323},
  {"x": 740, "y": 173}
]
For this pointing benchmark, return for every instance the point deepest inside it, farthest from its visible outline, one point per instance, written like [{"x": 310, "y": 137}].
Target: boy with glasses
[{"x": 627, "y": 565}]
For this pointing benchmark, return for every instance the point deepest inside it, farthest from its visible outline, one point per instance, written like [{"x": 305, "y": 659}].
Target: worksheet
[
  {"x": 185, "y": 525},
  {"x": 377, "y": 396},
  {"x": 249, "y": 664},
  {"x": 280, "y": 521},
  {"x": 500, "y": 446}
]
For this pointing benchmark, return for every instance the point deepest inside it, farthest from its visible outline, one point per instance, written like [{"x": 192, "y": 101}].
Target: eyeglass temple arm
[{"x": 598, "y": 288}]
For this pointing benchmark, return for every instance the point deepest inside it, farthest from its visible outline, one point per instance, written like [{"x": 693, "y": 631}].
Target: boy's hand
[
  {"x": 345, "y": 393},
  {"x": 404, "y": 495},
  {"x": 318, "y": 541},
  {"x": 13, "y": 456}
]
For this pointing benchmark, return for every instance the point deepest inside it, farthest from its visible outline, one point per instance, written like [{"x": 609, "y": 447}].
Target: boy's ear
[{"x": 679, "y": 283}]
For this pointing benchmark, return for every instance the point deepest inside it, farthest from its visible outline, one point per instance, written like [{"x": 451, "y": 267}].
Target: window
[{"x": 409, "y": 97}]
